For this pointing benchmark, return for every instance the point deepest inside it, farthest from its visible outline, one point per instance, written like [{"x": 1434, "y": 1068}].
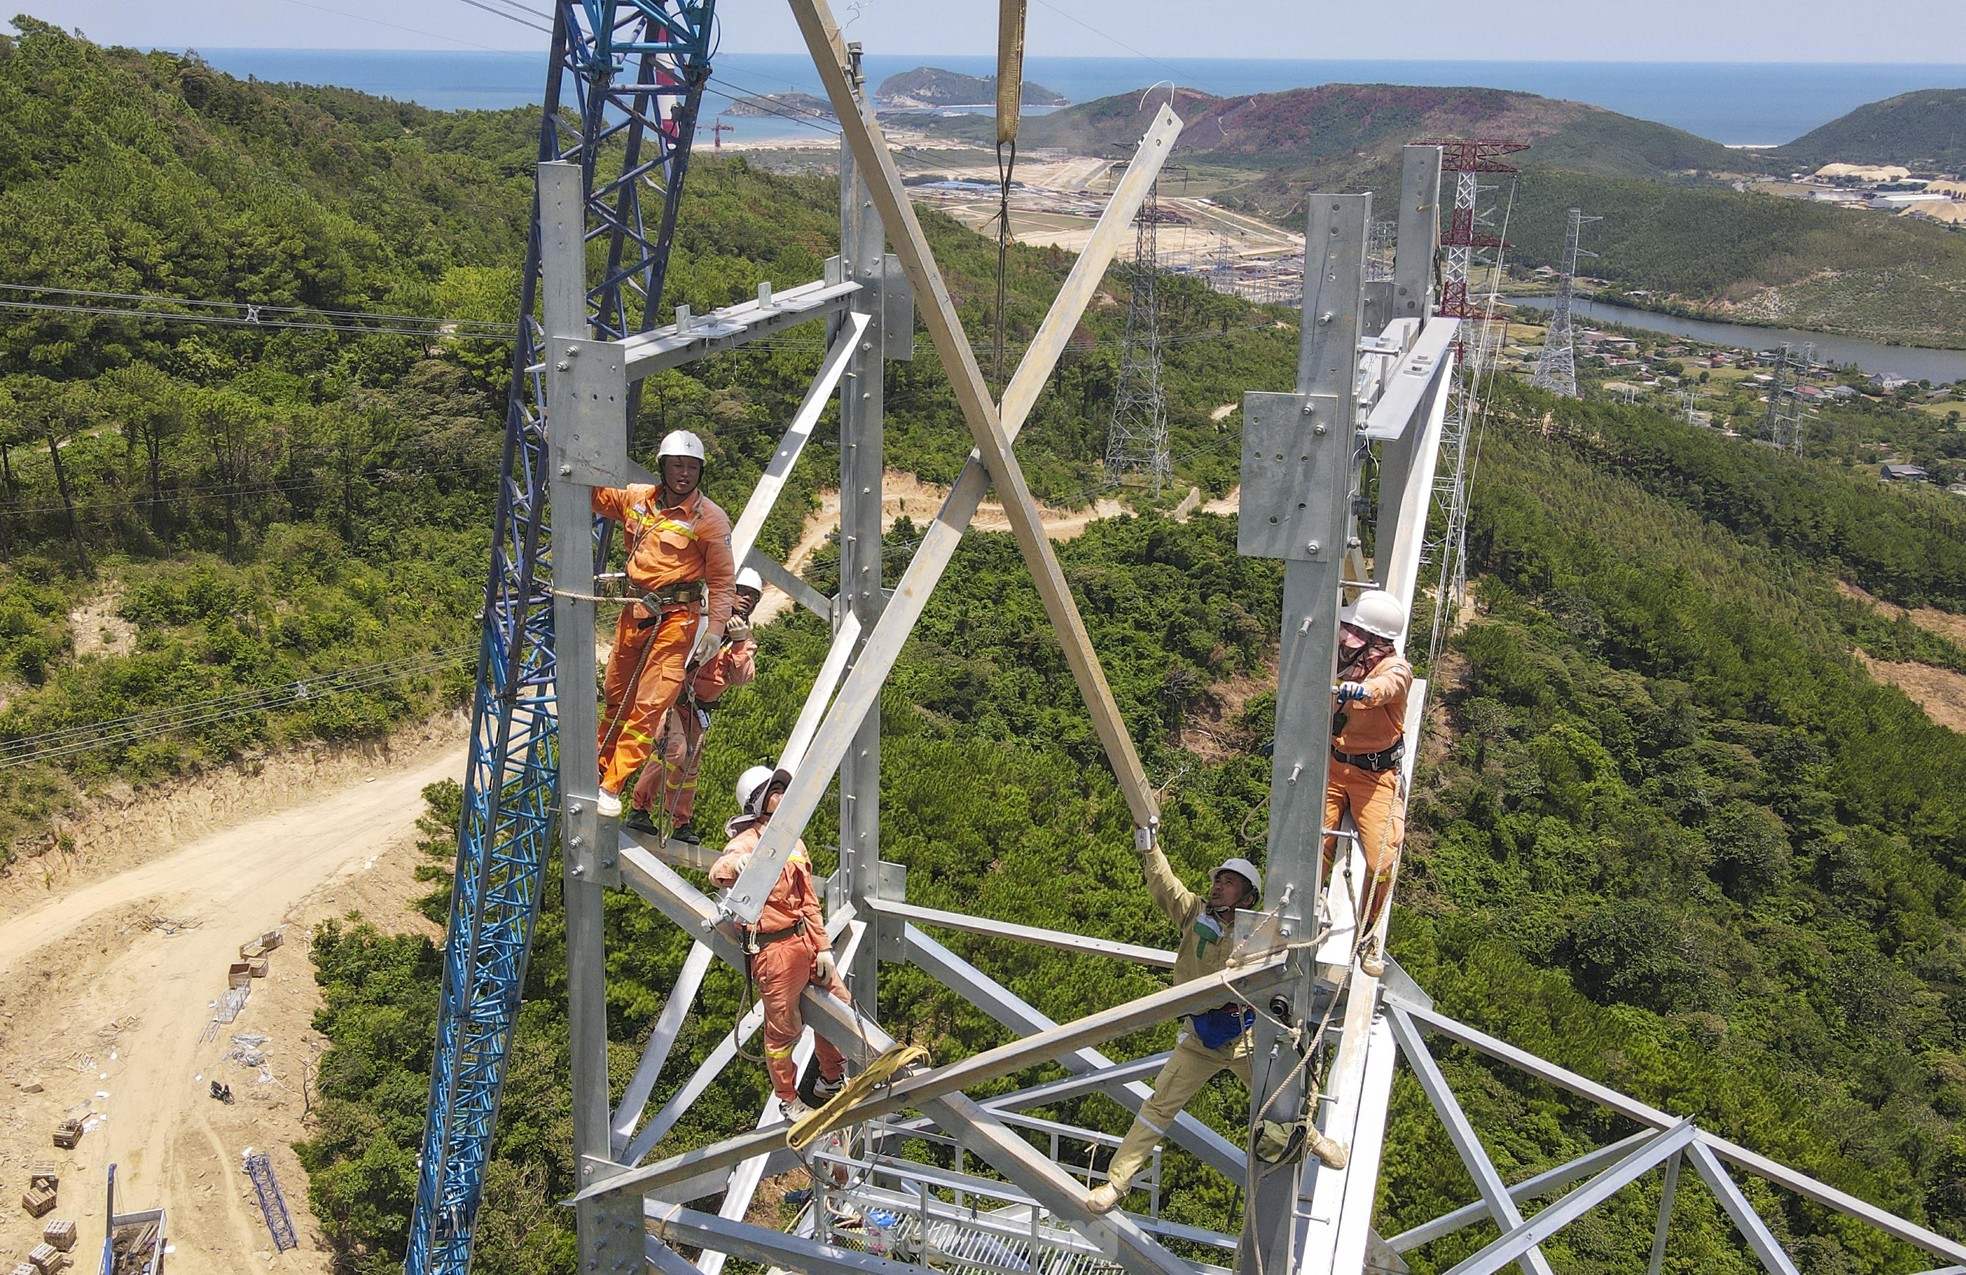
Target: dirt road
[{"x": 106, "y": 992}]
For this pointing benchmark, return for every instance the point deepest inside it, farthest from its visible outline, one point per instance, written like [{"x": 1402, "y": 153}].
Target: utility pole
[
  {"x": 1556, "y": 369},
  {"x": 1136, "y": 440}
]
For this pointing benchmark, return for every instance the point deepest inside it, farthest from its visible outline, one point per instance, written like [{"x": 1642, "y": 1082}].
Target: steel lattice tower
[
  {"x": 1784, "y": 418},
  {"x": 1466, "y": 231},
  {"x": 1136, "y": 441},
  {"x": 1556, "y": 369}
]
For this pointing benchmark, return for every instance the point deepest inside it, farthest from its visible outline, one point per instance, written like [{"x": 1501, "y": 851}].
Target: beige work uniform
[{"x": 1192, "y": 1064}]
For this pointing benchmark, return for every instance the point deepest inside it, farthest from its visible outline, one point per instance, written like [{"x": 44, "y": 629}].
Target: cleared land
[{"x": 111, "y": 959}]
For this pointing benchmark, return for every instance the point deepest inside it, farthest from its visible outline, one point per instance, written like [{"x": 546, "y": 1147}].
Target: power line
[{"x": 136, "y": 727}]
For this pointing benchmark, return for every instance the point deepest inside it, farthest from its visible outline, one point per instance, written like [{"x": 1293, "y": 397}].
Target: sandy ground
[
  {"x": 111, "y": 959},
  {"x": 906, "y": 495},
  {"x": 1939, "y": 691}
]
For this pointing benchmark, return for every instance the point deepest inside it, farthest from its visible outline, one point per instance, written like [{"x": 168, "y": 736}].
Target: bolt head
[
  {"x": 1312, "y": 547},
  {"x": 561, "y": 366}
]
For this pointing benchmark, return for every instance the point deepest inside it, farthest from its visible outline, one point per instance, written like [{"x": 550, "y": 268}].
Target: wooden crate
[
  {"x": 257, "y": 967},
  {"x": 67, "y": 1134},
  {"x": 238, "y": 974},
  {"x": 44, "y": 1174},
  {"x": 47, "y": 1259},
  {"x": 260, "y": 946},
  {"x": 25, "y": 1268},
  {"x": 60, "y": 1233},
  {"x": 39, "y": 1201}
]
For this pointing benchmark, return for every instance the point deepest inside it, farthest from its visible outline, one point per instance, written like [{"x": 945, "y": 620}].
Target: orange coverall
[
  {"x": 667, "y": 546},
  {"x": 1372, "y": 725},
  {"x": 783, "y": 967},
  {"x": 735, "y": 664}
]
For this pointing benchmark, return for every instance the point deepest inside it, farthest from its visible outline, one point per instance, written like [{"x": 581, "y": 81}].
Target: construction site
[{"x": 156, "y": 1022}]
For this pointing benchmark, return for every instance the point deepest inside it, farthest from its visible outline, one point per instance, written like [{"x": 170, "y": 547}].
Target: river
[{"x": 1911, "y": 361}]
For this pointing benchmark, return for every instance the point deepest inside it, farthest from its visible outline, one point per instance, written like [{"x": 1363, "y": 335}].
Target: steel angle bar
[
  {"x": 989, "y": 927},
  {"x": 1494, "y": 1192},
  {"x": 1529, "y": 1189},
  {"x": 700, "y": 1080},
  {"x": 1822, "y": 1193},
  {"x": 1403, "y": 511},
  {"x": 738, "y": 325},
  {"x": 841, "y": 1023},
  {"x": 1761, "y": 1166},
  {"x": 744, "y": 536},
  {"x": 861, "y": 690},
  {"x": 1636, "y": 1163},
  {"x": 1562, "y": 1078},
  {"x": 814, "y": 712},
  {"x": 675, "y": 1224},
  {"x": 1420, "y": 370},
  {"x": 668, "y": 1026},
  {"x": 1119, "y": 1075},
  {"x": 1417, "y": 250},
  {"x": 1752, "y": 1228},
  {"x": 1362, "y": 1079},
  {"x": 1667, "y": 1195},
  {"x": 666, "y": 1260},
  {"x": 944, "y": 326},
  {"x": 1945, "y": 1270},
  {"x": 1013, "y": 1012},
  {"x": 785, "y": 582}
]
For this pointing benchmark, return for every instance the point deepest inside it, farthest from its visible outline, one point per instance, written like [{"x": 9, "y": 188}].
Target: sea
[{"x": 1735, "y": 103}]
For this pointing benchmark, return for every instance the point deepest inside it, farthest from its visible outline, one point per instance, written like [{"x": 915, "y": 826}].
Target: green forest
[{"x": 1668, "y": 832}]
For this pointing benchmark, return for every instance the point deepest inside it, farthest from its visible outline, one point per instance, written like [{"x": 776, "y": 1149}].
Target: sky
[{"x": 1930, "y": 31}]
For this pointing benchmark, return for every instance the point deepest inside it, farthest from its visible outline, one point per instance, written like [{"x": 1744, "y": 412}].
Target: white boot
[
  {"x": 608, "y": 805},
  {"x": 1103, "y": 1198}
]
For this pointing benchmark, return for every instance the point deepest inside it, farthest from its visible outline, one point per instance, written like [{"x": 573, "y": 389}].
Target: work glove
[
  {"x": 1147, "y": 835},
  {"x": 707, "y": 643},
  {"x": 738, "y": 630},
  {"x": 824, "y": 968},
  {"x": 1350, "y": 692}
]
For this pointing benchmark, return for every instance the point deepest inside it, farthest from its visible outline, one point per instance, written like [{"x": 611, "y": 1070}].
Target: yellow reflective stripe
[
  {"x": 778, "y": 1053},
  {"x": 645, "y": 521}
]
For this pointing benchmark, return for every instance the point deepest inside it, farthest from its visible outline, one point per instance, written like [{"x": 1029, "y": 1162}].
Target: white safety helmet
[
  {"x": 1244, "y": 869},
  {"x": 754, "y": 784},
  {"x": 679, "y": 442},
  {"x": 1378, "y": 613},
  {"x": 749, "y": 579}
]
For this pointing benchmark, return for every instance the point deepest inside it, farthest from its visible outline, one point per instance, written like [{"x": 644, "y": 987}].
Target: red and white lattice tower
[{"x": 1462, "y": 235}]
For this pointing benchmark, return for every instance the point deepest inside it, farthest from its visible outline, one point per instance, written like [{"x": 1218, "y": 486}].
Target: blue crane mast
[{"x": 622, "y": 90}]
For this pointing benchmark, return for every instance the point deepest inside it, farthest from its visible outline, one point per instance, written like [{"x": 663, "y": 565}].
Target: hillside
[
  {"x": 1331, "y": 136},
  {"x": 1924, "y": 131},
  {"x": 1750, "y": 257},
  {"x": 930, "y": 86}
]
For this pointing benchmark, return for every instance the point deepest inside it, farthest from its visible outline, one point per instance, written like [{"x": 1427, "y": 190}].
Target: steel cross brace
[
  {"x": 994, "y": 428},
  {"x": 1001, "y": 1004},
  {"x": 936, "y": 1092},
  {"x": 1708, "y": 1145},
  {"x": 1493, "y": 1190},
  {"x": 1659, "y": 1148}
]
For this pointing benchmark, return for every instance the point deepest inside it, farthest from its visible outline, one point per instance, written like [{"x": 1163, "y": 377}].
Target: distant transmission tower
[
  {"x": 1556, "y": 368},
  {"x": 1136, "y": 442},
  {"x": 1466, "y": 233},
  {"x": 1382, "y": 237},
  {"x": 1784, "y": 423}
]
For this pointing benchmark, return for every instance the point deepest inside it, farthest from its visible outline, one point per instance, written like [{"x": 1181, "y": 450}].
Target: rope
[{"x": 1006, "y": 163}]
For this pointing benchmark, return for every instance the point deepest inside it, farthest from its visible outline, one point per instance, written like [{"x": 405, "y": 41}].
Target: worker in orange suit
[
  {"x": 735, "y": 664},
  {"x": 1368, "y": 741},
  {"x": 679, "y": 562},
  {"x": 788, "y": 948}
]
